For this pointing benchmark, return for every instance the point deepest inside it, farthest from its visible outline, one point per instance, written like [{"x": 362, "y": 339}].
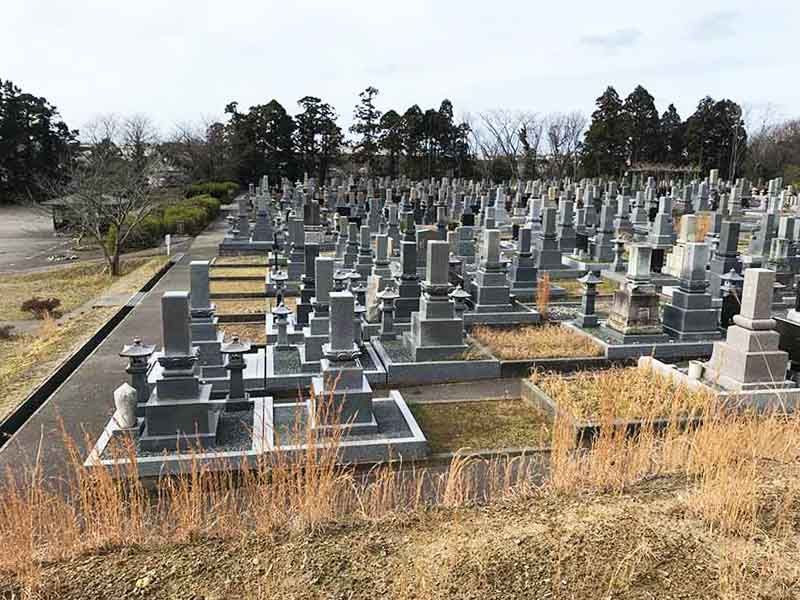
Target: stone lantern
[
  {"x": 138, "y": 356},
  {"x": 459, "y": 296},
  {"x": 587, "y": 316},
  {"x": 236, "y": 364},
  {"x": 281, "y": 315},
  {"x": 387, "y": 297}
]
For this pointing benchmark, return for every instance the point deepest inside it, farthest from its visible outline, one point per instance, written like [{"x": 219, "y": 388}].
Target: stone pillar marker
[
  {"x": 198, "y": 278},
  {"x": 639, "y": 262},
  {"x": 323, "y": 279},
  {"x": 176, "y": 334},
  {"x": 340, "y": 344}
]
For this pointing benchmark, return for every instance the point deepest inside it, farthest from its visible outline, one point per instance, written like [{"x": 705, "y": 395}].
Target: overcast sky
[{"x": 178, "y": 60}]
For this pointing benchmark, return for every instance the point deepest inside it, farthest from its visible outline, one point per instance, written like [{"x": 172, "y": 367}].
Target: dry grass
[
  {"x": 228, "y": 287},
  {"x": 490, "y": 424},
  {"x": 101, "y": 508},
  {"x": 251, "y": 306},
  {"x": 27, "y": 359},
  {"x": 621, "y": 393},
  {"x": 239, "y": 272},
  {"x": 531, "y": 342},
  {"x": 241, "y": 260},
  {"x": 706, "y": 513},
  {"x": 574, "y": 287},
  {"x": 255, "y": 333},
  {"x": 74, "y": 285},
  {"x": 543, "y": 295}
]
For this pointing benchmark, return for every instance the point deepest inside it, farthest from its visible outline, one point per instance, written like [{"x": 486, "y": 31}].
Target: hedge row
[
  {"x": 222, "y": 190},
  {"x": 194, "y": 213}
]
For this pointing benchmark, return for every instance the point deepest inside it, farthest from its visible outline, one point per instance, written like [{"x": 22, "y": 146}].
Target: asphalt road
[{"x": 27, "y": 239}]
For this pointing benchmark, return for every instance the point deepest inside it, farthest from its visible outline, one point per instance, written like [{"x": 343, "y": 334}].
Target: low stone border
[
  {"x": 670, "y": 349},
  {"x": 14, "y": 420},
  {"x": 522, "y": 368},
  {"x": 446, "y": 371}
]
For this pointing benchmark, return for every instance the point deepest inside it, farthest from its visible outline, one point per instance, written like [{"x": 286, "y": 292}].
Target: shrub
[
  {"x": 42, "y": 308},
  {"x": 222, "y": 190},
  {"x": 7, "y": 332}
]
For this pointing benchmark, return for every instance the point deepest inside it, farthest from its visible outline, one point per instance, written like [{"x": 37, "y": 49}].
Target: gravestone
[
  {"x": 205, "y": 335},
  {"x": 548, "y": 254},
  {"x": 342, "y": 395},
  {"x": 726, "y": 257},
  {"x": 689, "y": 315},
  {"x": 749, "y": 358},
  {"x": 436, "y": 333},
  {"x": 634, "y": 311},
  {"x": 523, "y": 274},
  {"x": 179, "y": 413}
]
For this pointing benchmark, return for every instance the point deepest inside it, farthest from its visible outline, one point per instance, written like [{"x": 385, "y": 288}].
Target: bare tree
[
  {"x": 199, "y": 148},
  {"x": 107, "y": 195},
  {"x": 564, "y": 132},
  {"x": 508, "y": 135}
]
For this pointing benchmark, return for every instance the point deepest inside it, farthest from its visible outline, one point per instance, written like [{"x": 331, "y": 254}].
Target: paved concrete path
[{"x": 84, "y": 402}]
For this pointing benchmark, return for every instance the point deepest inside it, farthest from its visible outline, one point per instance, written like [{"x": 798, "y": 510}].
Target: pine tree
[
  {"x": 366, "y": 124},
  {"x": 318, "y": 138},
  {"x": 644, "y": 139},
  {"x": 605, "y": 144},
  {"x": 673, "y": 135},
  {"x": 716, "y": 137}
]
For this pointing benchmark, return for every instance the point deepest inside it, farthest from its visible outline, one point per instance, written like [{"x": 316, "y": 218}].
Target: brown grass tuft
[{"x": 530, "y": 342}]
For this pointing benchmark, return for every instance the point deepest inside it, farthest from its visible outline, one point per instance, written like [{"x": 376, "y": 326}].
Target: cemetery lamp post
[
  {"x": 353, "y": 277},
  {"x": 587, "y": 317},
  {"x": 339, "y": 279},
  {"x": 236, "y": 364},
  {"x": 619, "y": 253},
  {"x": 459, "y": 297},
  {"x": 281, "y": 315},
  {"x": 732, "y": 284},
  {"x": 279, "y": 278},
  {"x": 387, "y": 298},
  {"x": 138, "y": 356}
]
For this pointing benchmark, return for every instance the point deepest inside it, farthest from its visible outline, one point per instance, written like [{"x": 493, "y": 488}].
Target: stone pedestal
[
  {"x": 749, "y": 358},
  {"x": 634, "y": 311}
]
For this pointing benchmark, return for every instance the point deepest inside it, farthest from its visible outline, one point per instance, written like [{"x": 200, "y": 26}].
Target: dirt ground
[{"x": 642, "y": 544}]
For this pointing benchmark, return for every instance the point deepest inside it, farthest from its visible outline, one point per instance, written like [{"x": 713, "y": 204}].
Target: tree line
[
  {"x": 268, "y": 139},
  {"x": 628, "y": 132}
]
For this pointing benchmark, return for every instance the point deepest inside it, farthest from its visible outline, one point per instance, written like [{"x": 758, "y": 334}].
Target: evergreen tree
[
  {"x": 35, "y": 144},
  {"x": 644, "y": 139},
  {"x": 413, "y": 141},
  {"x": 366, "y": 125},
  {"x": 606, "y": 141},
  {"x": 673, "y": 136},
  {"x": 391, "y": 140},
  {"x": 318, "y": 139},
  {"x": 262, "y": 142},
  {"x": 715, "y": 136}
]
